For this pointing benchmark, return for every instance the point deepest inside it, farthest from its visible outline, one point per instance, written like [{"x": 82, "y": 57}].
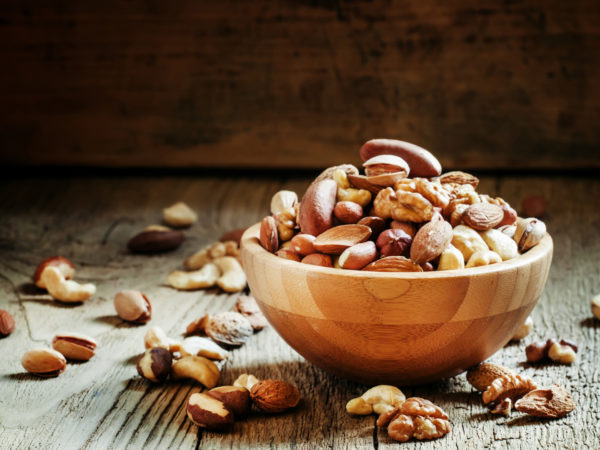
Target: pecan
[
  {"x": 434, "y": 192},
  {"x": 403, "y": 205}
]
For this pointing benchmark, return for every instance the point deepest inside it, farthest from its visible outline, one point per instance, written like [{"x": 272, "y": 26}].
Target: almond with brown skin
[
  {"x": 430, "y": 241},
  {"x": 269, "y": 238},
  {"x": 421, "y": 162},
  {"x": 274, "y": 396},
  {"x": 483, "y": 216},
  {"x": 318, "y": 259},
  {"x": 337, "y": 239},
  {"x": 7, "y": 323},
  {"x": 459, "y": 177},
  {"x": 358, "y": 256},
  {"x": 316, "y": 208},
  {"x": 552, "y": 403},
  {"x": 482, "y": 375},
  {"x": 348, "y": 212},
  {"x": 393, "y": 264}
]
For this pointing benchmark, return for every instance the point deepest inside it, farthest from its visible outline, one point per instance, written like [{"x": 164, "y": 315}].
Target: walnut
[
  {"x": 418, "y": 418},
  {"x": 511, "y": 386},
  {"x": 404, "y": 206},
  {"x": 432, "y": 191}
]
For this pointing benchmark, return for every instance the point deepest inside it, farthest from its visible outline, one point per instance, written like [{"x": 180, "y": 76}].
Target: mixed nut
[{"x": 402, "y": 215}]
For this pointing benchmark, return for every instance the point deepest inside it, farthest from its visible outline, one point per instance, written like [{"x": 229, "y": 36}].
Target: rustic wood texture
[
  {"x": 298, "y": 84},
  {"x": 103, "y": 403},
  {"x": 408, "y": 328}
]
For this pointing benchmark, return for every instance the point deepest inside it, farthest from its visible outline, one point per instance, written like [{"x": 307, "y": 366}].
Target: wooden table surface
[{"x": 103, "y": 403}]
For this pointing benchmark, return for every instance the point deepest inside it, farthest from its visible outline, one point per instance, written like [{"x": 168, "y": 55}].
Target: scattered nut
[
  {"x": 155, "y": 364},
  {"x": 197, "y": 368},
  {"x": 44, "y": 362},
  {"x": 416, "y": 417},
  {"x": 246, "y": 305},
  {"x": 197, "y": 279},
  {"x": 552, "y": 403},
  {"x": 179, "y": 215},
  {"x": 524, "y": 330},
  {"x": 208, "y": 412},
  {"x": 7, "y": 323},
  {"x": 198, "y": 326},
  {"x": 283, "y": 200},
  {"x": 75, "y": 346},
  {"x": 156, "y": 337},
  {"x": 274, "y": 396},
  {"x": 201, "y": 346},
  {"x": 235, "y": 398},
  {"x": 67, "y": 291},
  {"x": 560, "y": 353},
  {"x": 229, "y": 328},
  {"x": 155, "y": 239},
  {"x": 233, "y": 278},
  {"x": 62, "y": 264},
  {"x": 511, "y": 385},
  {"x": 482, "y": 375},
  {"x": 245, "y": 380},
  {"x": 595, "y": 304},
  {"x": 358, "y": 406},
  {"x": 379, "y": 399},
  {"x": 133, "y": 306},
  {"x": 536, "y": 351}
]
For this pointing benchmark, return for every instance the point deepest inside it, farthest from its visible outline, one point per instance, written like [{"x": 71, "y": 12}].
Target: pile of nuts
[
  {"x": 387, "y": 221},
  {"x": 502, "y": 389},
  {"x": 404, "y": 418}
]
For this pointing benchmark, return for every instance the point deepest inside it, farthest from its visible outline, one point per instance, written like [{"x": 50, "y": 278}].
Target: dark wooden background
[{"x": 298, "y": 84}]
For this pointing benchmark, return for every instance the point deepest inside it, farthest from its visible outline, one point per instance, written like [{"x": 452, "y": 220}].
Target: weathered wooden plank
[
  {"x": 103, "y": 403},
  {"x": 298, "y": 84}
]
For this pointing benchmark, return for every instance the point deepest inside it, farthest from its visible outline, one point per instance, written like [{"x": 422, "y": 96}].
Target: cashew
[
  {"x": 341, "y": 178},
  {"x": 214, "y": 251},
  {"x": 483, "y": 258},
  {"x": 563, "y": 354},
  {"x": 467, "y": 240},
  {"x": 360, "y": 196},
  {"x": 201, "y": 346},
  {"x": 283, "y": 200},
  {"x": 179, "y": 215},
  {"x": 451, "y": 259},
  {"x": 198, "y": 279},
  {"x": 156, "y": 337},
  {"x": 524, "y": 330},
  {"x": 233, "y": 278},
  {"x": 246, "y": 380},
  {"x": 379, "y": 399},
  {"x": 63, "y": 289},
  {"x": 500, "y": 243}
]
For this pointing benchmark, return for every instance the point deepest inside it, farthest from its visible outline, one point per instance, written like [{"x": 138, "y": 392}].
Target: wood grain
[
  {"x": 103, "y": 403},
  {"x": 298, "y": 84}
]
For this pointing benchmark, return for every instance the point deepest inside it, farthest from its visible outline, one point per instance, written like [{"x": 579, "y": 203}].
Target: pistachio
[
  {"x": 529, "y": 233},
  {"x": 133, "y": 306},
  {"x": 155, "y": 364},
  {"x": 75, "y": 346},
  {"x": 44, "y": 362}
]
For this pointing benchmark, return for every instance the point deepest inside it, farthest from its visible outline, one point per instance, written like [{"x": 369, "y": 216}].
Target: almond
[
  {"x": 393, "y": 264},
  {"x": 286, "y": 253},
  {"x": 483, "y": 216},
  {"x": 421, "y": 162},
  {"x": 553, "y": 403},
  {"x": 348, "y": 212},
  {"x": 358, "y": 256},
  {"x": 482, "y": 375},
  {"x": 316, "y": 208},
  {"x": 430, "y": 241},
  {"x": 459, "y": 177},
  {"x": 337, "y": 239},
  {"x": 269, "y": 238},
  {"x": 274, "y": 396}
]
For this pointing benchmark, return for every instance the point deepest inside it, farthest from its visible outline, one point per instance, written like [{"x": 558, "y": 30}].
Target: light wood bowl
[{"x": 398, "y": 328}]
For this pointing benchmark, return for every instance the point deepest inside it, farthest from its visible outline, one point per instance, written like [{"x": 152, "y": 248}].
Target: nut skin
[
  {"x": 318, "y": 259},
  {"x": 44, "y": 362},
  {"x": 421, "y": 162},
  {"x": 358, "y": 256},
  {"x": 316, "y": 208},
  {"x": 393, "y": 242},
  {"x": 197, "y": 368},
  {"x": 348, "y": 212},
  {"x": 65, "y": 266},
  {"x": 209, "y": 412},
  {"x": 133, "y": 306},
  {"x": 7, "y": 323},
  {"x": 235, "y": 398},
  {"x": 274, "y": 396},
  {"x": 155, "y": 240},
  {"x": 155, "y": 364},
  {"x": 303, "y": 244},
  {"x": 75, "y": 346},
  {"x": 269, "y": 237},
  {"x": 430, "y": 241}
]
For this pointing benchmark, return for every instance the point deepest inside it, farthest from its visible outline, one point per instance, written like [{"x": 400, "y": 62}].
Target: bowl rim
[{"x": 250, "y": 243}]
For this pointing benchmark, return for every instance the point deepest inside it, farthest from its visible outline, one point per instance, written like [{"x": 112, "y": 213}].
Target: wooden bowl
[{"x": 398, "y": 328}]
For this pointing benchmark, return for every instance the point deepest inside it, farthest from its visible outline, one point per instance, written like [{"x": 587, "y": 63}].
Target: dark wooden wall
[{"x": 483, "y": 84}]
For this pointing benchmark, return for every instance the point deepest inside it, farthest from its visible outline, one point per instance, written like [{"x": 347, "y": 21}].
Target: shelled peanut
[{"x": 403, "y": 215}]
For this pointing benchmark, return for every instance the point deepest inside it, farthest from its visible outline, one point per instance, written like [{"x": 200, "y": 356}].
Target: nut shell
[
  {"x": 553, "y": 403},
  {"x": 421, "y": 162},
  {"x": 75, "y": 346},
  {"x": 133, "y": 306},
  {"x": 274, "y": 396},
  {"x": 229, "y": 328},
  {"x": 44, "y": 362}
]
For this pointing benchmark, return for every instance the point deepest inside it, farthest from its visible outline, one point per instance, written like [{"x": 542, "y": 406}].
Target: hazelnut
[
  {"x": 133, "y": 306},
  {"x": 155, "y": 364},
  {"x": 393, "y": 242}
]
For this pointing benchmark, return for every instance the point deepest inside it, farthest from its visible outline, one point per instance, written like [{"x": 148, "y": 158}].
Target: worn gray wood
[{"x": 103, "y": 403}]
